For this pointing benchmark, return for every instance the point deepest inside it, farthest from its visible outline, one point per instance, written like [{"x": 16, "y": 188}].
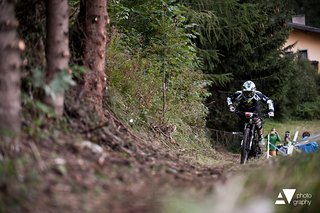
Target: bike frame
[{"x": 246, "y": 145}]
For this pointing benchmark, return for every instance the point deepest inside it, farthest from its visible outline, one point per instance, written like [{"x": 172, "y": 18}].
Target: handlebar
[{"x": 251, "y": 114}]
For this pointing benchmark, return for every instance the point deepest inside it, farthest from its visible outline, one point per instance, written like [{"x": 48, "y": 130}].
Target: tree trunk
[
  {"x": 57, "y": 48},
  {"x": 94, "y": 52},
  {"x": 10, "y": 64}
]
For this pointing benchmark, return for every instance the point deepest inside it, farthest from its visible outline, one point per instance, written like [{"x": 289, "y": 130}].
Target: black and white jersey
[{"x": 249, "y": 105}]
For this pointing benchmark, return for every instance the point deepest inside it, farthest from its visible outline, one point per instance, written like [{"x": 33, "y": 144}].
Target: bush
[
  {"x": 308, "y": 110},
  {"x": 153, "y": 68},
  {"x": 302, "y": 95},
  {"x": 136, "y": 91}
]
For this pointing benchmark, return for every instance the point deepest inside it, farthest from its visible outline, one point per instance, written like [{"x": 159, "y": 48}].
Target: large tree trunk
[
  {"x": 10, "y": 63},
  {"x": 57, "y": 47},
  {"x": 94, "y": 52}
]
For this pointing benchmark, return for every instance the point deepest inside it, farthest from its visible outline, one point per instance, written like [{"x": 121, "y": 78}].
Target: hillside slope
[{"x": 70, "y": 172}]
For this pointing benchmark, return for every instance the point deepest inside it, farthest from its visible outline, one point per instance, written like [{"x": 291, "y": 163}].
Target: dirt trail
[{"x": 129, "y": 174}]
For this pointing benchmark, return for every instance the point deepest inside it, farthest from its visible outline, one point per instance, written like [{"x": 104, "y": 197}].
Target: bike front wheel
[{"x": 245, "y": 147}]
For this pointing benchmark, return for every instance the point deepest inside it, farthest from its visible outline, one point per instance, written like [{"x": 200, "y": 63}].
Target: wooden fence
[{"x": 229, "y": 140}]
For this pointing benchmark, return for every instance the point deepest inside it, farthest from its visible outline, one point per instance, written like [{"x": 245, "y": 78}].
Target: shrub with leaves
[
  {"x": 153, "y": 66},
  {"x": 302, "y": 98}
]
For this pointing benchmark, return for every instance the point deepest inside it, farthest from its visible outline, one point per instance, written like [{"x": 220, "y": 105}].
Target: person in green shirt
[{"x": 274, "y": 138}]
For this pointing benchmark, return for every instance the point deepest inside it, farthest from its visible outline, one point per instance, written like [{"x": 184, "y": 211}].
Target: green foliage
[
  {"x": 136, "y": 90},
  {"x": 308, "y": 110},
  {"x": 35, "y": 112},
  {"x": 132, "y": 90},
  {"x": 37, "y": 85},
  {"x": 151, "y": 54},
  {"x": 59, "y": 84},
  {"x": 301, "y": 98},
  {"x": 239, "y": 41}
]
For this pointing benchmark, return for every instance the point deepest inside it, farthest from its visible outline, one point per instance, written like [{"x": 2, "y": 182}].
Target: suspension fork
[
  {"x": 244, "y": 130},
  {"x": 252, "y": 129},
  {"x": 252, "y": 136}
]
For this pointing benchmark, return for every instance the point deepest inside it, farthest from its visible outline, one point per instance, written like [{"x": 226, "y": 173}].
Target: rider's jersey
[{"x": 245, "y": 105}]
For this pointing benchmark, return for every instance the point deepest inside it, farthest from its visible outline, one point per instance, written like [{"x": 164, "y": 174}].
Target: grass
[
  {"x": 192, "y": 139},
  {"x": 293, "y": 126},
  {"x": 257, "y": 188},
  {"x": 300, "y": 172}
]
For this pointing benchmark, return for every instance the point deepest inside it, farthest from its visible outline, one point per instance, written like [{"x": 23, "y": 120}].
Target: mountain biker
[{"x": 247, "y": 100}]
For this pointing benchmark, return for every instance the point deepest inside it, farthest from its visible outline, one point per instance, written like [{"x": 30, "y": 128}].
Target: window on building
[
  {"x": 315, "y": 64},
  {"x": 303, "y": 54}
]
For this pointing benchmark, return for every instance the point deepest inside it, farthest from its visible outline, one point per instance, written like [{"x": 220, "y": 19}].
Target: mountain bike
[{"x": 250, "y": 142}]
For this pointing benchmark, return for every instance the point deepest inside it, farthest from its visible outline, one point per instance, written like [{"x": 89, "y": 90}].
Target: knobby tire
[{"x": 245, "y": 145}]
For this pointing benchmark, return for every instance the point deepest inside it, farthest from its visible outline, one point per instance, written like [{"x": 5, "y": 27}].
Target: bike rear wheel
[{"x": 245, "y": 147}]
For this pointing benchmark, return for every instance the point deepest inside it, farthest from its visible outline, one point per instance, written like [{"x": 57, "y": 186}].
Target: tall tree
[
  {"x": 94, "y": 52},
  {"x": 242, "y": 39},
  {"x": 57, "y": 48},
  {"x": 10, "y": 63}
]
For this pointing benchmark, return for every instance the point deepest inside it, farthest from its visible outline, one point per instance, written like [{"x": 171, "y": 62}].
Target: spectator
[
  {"x": 274, "y": 138},
  {"x": 287, "y": 139},
  {"x": 286, "y": 143},
  {"x": 305, "y": 135},
  {"x": 308, "y": 146}
]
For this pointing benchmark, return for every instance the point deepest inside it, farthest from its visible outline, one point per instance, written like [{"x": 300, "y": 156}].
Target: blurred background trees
[
  {"x": 243, "y": 40},
  {"x": 168, "y": 61}
]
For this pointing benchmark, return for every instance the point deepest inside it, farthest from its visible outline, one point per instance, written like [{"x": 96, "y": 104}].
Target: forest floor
[{"x": 106, "y": 169}]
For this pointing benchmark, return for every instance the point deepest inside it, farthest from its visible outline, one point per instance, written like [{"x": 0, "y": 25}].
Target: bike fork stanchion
[{"x": 268, "y": 148}]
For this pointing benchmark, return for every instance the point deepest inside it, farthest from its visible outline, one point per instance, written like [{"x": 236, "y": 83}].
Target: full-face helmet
[{"x": 248, "y": 90}]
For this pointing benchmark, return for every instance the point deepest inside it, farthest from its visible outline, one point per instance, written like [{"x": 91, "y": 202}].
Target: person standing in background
[{"x": 274, "y": 138}]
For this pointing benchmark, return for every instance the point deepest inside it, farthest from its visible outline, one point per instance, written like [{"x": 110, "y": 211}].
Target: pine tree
[
  {"x": 242, "y": 39},
  {"x": 94, "y": 52},
  {"x": 57, "y": 48},
  {"x": 10, "y": 63}
]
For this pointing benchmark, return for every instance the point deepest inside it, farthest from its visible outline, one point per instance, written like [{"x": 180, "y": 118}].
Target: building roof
[{"x": 304, "y": 27}]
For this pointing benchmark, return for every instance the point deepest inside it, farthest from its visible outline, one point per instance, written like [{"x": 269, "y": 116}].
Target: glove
[
  {"x": 232, "y": 108},
  {"x": 271, "y": 114}
]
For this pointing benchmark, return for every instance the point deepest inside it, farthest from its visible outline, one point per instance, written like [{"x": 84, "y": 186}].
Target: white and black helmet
[{"x": 248, "y": 90}]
